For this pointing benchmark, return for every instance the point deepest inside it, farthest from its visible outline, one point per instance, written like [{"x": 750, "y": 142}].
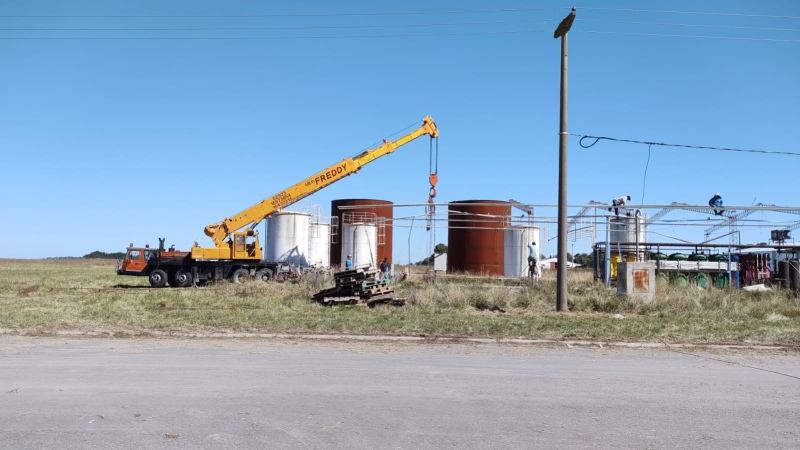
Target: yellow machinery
[{"x": 232, "y": 244}]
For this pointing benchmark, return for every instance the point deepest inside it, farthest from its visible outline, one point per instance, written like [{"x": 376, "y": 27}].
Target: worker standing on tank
[
  {"x": 618, "y": 203},
  {"x": 348, "y": 264},
  {"x": 716, "y": 203},
  {"x": 533, "y": 261}
]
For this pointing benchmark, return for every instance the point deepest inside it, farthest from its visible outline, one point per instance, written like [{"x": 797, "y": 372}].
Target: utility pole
[{"x": 561, "y": 280}]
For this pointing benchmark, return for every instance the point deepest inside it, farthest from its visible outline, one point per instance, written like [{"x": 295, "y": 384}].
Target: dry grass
[{"x": 47, "y": 295}]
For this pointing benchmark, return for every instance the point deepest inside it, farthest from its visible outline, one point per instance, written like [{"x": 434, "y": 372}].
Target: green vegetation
[
  {"x": 439, "y": 249},
  {"x": 97, "y": 254},
  {"x": 85, "y": 294}
]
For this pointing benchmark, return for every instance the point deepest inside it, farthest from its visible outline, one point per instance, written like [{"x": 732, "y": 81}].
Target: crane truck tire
[
  {"x": 181, "y": 278},
  {"x": 240, "y": 275},
  {"x": 158, "y": 278},
  {"x": 264, "y": 275}
]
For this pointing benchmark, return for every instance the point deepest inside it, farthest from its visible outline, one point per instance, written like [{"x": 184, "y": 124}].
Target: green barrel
[
  {"x": 677, "y": 257},
  {"x": 698, "y": 257},
  {"x": 680, "y": 279},
  {"x": 718, "y": 258},
  {"x": 700, "y": 279},
  {"x": 658, "y": 257},
  {"x": 719, "y": 280}
]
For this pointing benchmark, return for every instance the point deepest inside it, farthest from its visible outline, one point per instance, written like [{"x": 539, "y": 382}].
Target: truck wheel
[
  {"x": 183, "y": 278},
  {"x": 158, "y": 278},
  {"x": 240, "y": 276},
  {"x": 264, "y": 275}
]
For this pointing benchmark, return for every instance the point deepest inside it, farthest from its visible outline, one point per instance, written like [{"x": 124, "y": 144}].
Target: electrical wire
[
  {"x": 647, "y": 164},
  {"x": 701, "y": 147},
  {"x": 694, "y": 36},
  {"x": 726, "y": 361},
  {"x": 238, "y": 16},
  {"x": 479, "y": 33},
  {"x": 700, "y": 13},
  {"x": 383, "y": 36},
  {"x": 331, "y": 27},
  {"x": 688, "y": 25}
]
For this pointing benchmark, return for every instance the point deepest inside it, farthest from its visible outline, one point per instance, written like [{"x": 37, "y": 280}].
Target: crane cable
[{"x": 433, "y": 178}]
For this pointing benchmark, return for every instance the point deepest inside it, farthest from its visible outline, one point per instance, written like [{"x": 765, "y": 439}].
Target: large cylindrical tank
[
  {"x": 319, "y": 241},
  {"x": 624, "y": 229},
  {"x": 287, "y": 238},
  {"x": 515, "y": 249},
  {"x": 384, "y": 212},
  {"x": 475, "y": 236},
  {"x": 361, "y": 241}
]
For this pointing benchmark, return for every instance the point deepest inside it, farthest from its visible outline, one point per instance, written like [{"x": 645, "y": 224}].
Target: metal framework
[
  {"x": 573, "y": 232},
  {"x": 663, "y": 212}
]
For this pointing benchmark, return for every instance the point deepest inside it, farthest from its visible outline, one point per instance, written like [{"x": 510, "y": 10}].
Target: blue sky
[{"x": 111, "y": 141}]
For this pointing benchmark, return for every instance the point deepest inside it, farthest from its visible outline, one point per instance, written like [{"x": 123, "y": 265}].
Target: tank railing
[{"x": 360, "y": 217}]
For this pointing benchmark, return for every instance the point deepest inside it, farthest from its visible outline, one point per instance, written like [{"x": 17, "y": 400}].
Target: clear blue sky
[{"x": 107, "y": 142}]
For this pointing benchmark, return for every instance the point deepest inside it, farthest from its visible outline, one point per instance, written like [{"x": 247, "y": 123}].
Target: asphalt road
[{"x": 126, "y": 393}]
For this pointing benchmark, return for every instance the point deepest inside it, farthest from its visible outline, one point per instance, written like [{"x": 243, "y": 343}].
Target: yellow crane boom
[{"x": 238, "y": 248}]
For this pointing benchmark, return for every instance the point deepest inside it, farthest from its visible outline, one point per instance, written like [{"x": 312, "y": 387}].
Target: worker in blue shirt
[
  {"x": 348, "y": 264},
  {"x": 533, "y": 259},
  {"x": 716, "y": 203}
]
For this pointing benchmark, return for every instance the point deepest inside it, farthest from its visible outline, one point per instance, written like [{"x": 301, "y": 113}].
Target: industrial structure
[
  {"x": 475, "y": 238},
  {"x": 361, "y": 228},
  {"x": 237, "y": 254}
]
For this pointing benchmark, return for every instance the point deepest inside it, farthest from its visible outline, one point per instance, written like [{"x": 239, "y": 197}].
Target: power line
[
  {"x": 731, "y": 38},
  {"x": 189, "y": 38},
  {"x": 368, "y": 14},
  {"x": 332, "y": 27},
  {"x": 703, "y": 147},
  {"x": 446, "y": 24},
  {"x": 767, "y": 16},
  {"x": 244, "y": 16},
  {"x": 475, "y": 33},
  {"x": 690, "y": 25}
]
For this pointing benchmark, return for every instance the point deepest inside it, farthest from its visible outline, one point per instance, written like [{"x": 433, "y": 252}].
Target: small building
[
  {"x": 551, "y": 263},
  {"x": 440, "y": 262}
]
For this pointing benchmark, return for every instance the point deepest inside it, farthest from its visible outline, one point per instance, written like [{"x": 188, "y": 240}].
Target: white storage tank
[
  {"x": 624, "y": 229},
  {"x": 361, "y": 241},
  {"x": 287, "y": 238},
  {"x": 515, "y": 249},
  {"x": 319, "y": 242}
]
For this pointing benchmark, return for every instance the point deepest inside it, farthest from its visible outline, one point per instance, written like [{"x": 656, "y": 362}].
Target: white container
[
  {"x": 287, "y": 238},
  {"x": 319, "y": 244},
  {"x": 515, "y": 249},
  {"x": 361, "y": 241},
  {"x": 624, "y": 229}
]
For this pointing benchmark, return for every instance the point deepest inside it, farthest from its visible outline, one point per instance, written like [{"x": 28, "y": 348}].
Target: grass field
[{"x": 41, "y": 296}]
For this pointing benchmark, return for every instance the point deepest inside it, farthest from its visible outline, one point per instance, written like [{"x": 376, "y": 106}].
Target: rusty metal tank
[
  {"x": 366, "y": 211},
  {"x": 475, "y": 236}
]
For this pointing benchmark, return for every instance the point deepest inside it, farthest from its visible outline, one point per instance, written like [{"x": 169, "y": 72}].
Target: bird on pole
[{"x": 565, "y": 25}]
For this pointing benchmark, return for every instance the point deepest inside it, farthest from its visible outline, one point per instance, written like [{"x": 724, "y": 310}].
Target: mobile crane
[{"x": 236, "y": 254}]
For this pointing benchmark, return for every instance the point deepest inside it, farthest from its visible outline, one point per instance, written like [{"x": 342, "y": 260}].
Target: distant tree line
[{"x": 103, "y": 255}]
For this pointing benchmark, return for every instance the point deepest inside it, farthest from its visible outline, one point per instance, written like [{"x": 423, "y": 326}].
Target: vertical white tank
[
  {"x": 287, "y": 238},
  {"x": 515, "y": 249},
  {"x": 361, "y": 241},
  {"x": 319, "y": 244},
  {"x": 624, "y": 229}
]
